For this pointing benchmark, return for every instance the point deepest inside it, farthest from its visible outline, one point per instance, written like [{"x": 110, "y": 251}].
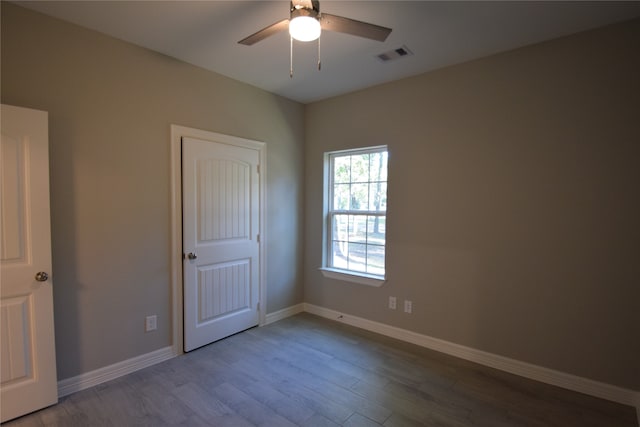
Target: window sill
[{"x": 348, "y": 276}]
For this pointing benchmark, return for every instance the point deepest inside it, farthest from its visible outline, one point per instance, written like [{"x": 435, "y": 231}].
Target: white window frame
[{"x": 327, "y": 238}]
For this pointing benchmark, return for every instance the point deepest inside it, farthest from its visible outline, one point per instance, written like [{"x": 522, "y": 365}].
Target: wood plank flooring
[{"x": 309, "y": 371}]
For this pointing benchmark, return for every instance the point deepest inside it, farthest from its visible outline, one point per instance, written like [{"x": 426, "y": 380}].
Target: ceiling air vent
[{"x": 394, "y": 54}]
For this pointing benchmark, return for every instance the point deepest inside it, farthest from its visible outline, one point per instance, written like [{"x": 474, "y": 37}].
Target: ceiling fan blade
[
  {"x": 353, "y": 27},
  {"x": 265, "y": 32}
]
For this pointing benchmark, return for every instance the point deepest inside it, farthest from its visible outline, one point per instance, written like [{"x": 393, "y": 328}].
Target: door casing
[{"x": 176, "y": 250}]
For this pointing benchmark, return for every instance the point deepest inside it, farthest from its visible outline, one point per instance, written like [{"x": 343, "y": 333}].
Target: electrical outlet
[
  {"x": 408, "y": 306},
  {"x": 392, "y": 303},
  {"x": 151, "y": 323}
]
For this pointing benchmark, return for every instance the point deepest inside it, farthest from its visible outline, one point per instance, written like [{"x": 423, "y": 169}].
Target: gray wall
[
  {"x": 514, "y": 202},
  {"x": 110, "y": 108}
]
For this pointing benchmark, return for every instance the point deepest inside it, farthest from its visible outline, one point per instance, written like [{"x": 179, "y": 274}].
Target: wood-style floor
[{"x": 309, "y": 371}]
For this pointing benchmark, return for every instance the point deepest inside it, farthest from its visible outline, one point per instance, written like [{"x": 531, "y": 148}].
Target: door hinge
[
  {"x": 258, "y": 168},
  {"x": 257, "y": 238},
  {"x": 258, "y": 307}
]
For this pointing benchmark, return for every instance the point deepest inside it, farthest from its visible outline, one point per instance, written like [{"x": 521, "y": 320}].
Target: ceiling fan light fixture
[{"x": 304, "y": 28}]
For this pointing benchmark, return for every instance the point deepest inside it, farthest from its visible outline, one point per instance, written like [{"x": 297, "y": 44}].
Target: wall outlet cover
[
  {"x": 408, "y": 306},
  {"x": 151, "y": 323}
]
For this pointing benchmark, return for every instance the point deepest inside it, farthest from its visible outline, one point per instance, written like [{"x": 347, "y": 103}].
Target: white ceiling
[{"x": 205, "y": 33}]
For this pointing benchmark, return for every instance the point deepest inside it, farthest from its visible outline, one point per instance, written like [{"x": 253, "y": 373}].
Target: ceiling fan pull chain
[
  {"x": 290, "y": 57},
  {"x": 319, "y": 63}
]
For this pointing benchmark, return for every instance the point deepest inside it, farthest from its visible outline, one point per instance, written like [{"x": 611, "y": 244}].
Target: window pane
[
  {"x": 360, "y": 168},
  {"x": 358, "y": 228},
  {"x": 341, "y": 196},
  {"x": 339, "y": 255},
  {"x": 376, "y": 229},
  {"x": 340, "y": 227},
  {"x": 378, "y": 166},
  {"x": 350, "y": 231},
  {"x": 375, "y": 259},
  {"x": 360, "y": 197},
  {"x": 378, "y": 196},
  {"x": 342, "y": 169},
  {"x": 357, "y": 257}
]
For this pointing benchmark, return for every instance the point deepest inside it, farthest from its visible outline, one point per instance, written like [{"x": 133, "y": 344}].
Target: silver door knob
[
  {"x": 191, "y": 255},
  {"x": 41, "y": 276}
]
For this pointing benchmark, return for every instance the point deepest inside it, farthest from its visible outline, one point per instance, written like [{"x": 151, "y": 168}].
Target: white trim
[
  {"x": 177, "y": 133},
  {"x": 284, "y": 313},
  {"x": 175, "y": 254},
  {"x": 108, "y": 373},
  {"x": 349, "y": 276},
  {"x": 262, "y": 150},
  {"x": 527, "y": 370}
]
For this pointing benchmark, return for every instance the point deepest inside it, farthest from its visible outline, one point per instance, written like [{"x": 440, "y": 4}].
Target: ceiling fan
[{"x": 305, "y": 24}]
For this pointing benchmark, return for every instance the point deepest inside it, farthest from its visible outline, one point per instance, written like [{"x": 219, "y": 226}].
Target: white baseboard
[
  {"x": 284, "y": 313},
  {"x": 523, "y": 369},
  {"x": 108, "y": 373}
]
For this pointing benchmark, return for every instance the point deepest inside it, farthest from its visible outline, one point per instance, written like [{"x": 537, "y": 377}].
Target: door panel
[
  {"x": 224, "y": 192},
  {"x": 27, "y": 349},
  {"x": 15, "y": 315},
  {"x": 221, "y": 207},
  {"x": 223, "y": 288},
  {"x": 12, "y": 211}
]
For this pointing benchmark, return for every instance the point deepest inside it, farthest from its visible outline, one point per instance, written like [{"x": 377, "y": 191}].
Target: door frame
[{"x": 176, "y": 250}]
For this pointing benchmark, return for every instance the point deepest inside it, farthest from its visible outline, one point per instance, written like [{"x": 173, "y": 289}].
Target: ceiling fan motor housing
[{"x": 305, "y": 8}]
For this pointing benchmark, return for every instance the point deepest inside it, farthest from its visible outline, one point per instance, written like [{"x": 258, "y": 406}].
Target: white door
[
  {"x": 221, "y": 220},
  {"x": 26, "y": 310}
]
